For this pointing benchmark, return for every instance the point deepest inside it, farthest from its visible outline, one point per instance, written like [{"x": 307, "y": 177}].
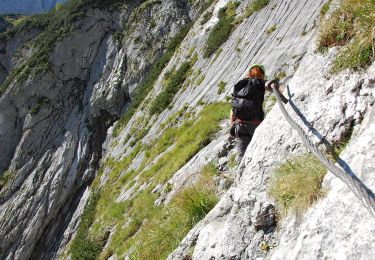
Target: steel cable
[{"x": 363, "y": 193}]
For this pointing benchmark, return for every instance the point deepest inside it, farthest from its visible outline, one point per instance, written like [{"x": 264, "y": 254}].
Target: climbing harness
[{"x": 364, "y": 194}]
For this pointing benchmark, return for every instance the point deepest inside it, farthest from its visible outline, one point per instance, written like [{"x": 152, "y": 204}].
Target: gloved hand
[{"x": 272, "y": 84}]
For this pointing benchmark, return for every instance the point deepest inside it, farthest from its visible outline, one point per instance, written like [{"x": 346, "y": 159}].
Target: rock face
[
  {"x": 27, "y": 6},
  {"x": 3, "y": 25},
  {"x": 56, "y": 129},
  {"x": 236, "y": 227},
  {"x": 52, "y": 127}
]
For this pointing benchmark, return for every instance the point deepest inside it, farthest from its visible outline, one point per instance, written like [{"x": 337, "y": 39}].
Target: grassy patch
[
  {"x": 131, "y": 217},
  {"x": 206, "y": 17},
  {"x": 296, "y": 184},
  {"x": 251, "y": 8},
  {"x": 39, "y": 104},
  {"x": 149, "y": 82},
  {"x": 232, "y": 163},
  {"x": 163, "y": 233},
  {"x": 271, "y": 29},
  {"x": 325, "y": 8},
  {"x": 350, "y": 26},
  {"x": 5, "y": 178},
  {"x": 222, "y": 29}
]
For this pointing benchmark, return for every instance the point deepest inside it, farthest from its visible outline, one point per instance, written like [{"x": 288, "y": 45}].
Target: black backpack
[{"x": 247, "y": 99}]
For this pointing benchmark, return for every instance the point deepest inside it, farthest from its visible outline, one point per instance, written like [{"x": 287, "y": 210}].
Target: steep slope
[
  {"x": 27, "y": 6},
  {"x": 168, "y": 184}
]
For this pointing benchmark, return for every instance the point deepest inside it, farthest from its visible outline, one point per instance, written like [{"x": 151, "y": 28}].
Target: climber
[{"x": 247, "y": 106}]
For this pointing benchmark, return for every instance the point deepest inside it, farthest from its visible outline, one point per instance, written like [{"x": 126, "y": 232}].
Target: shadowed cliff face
[{"x": 27, "y": 6}]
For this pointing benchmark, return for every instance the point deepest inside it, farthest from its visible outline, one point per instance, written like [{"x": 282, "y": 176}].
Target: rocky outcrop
[
  {"x": 27, "y": 7},
  {"x": 4, "y": 24},
  {"x": 232, "y": 229}
]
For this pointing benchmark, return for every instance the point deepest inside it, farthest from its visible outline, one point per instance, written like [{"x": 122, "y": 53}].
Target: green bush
[
  {"x": 296, "y": 184},
  {"x": 5, "y": 178},
  {"x": 221, "y": 87},
  {"x": 222, "y": 29},
  {"x": 350, "y": 26},
  {"x": 174, "y": 82}
]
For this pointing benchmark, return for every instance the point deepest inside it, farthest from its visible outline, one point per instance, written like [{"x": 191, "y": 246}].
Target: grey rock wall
[
  {"x": 237, "y": 226},
  {"x": 52, "y": 127}
]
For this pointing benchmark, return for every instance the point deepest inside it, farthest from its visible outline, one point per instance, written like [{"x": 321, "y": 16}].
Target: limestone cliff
[{"x": 114, "y": 138}]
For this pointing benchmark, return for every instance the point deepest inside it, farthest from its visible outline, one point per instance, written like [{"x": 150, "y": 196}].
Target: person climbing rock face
[{"x": 247, "y": 106}]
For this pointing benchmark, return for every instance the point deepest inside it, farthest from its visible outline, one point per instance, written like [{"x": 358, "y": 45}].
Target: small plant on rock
[
  {"x": 296, "y": 184},
  {"x": 350, "y": 26},
  {"x": 221, "y": 87}
]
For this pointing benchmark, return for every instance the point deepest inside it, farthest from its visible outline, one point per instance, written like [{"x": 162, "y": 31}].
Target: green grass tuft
[
  {"x": 296, "y": 184},
  {"x": 271, "y": 29},
  {"x": 350, "y": 26}
]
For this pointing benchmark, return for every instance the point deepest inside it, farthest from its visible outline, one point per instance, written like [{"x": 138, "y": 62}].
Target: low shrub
[
  {"x": 350, "y": 26},
  {"x": 296, "y": 184},
  {"x": 173, "y": 84},
  {"x": 221, "y": 87},
  {"x": 222, "y": 29},
  {"x": 271, "y": 29}
]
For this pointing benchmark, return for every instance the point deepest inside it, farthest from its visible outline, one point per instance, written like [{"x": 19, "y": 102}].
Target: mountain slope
[{"x": 114, "y": 133}]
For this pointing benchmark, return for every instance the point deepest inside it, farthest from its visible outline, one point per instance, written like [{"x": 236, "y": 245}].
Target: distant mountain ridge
[{"x": 27, "y": 6}]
